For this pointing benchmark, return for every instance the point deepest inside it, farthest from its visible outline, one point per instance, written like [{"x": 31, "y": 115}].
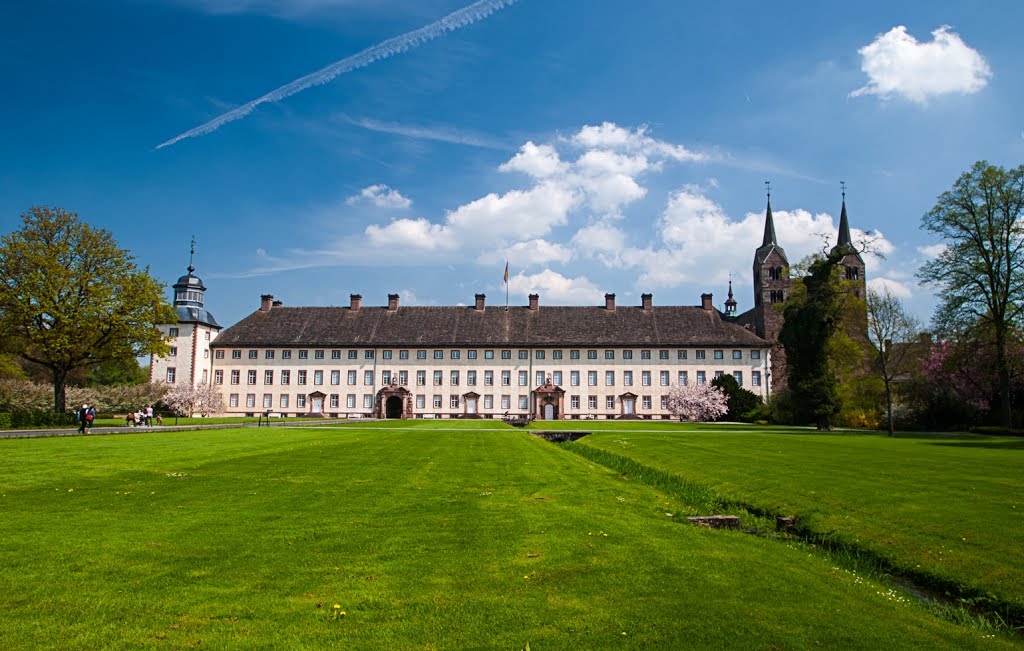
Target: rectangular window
[
  {"x": 755, "y": 378},
  {"x": 645, "y": 378},
  {"x": 455, "y": 354},
  {"x": 335, "y": 354},
  {"x": 437, "y": 402},
  {"x": 268, "y": 377},
  {"x": 454, "y": 379},
  {"x": 268, "y": 354},
  {"x": 592, "y": 378},
  {"x": 250, "y": 400},
  {"x": 506, "y": 402},
  {"x": 645, "y": 354},
  {"x": 574, "y": 354},
  {"x": 251, "y": 376},
  {"x": 646, "y": 402},
  {"x": 755, "y": 354},
  {"x": 471, "y": 378},
  {"x": 300, "y": 401},
  {"x": 218, "y": 377},
  {"x": 488, "y": 378},
  {"x": 627, "y": 378},
  {"x": 591, "y": 354},
  {"x": 369, "y": 355},
  {"x": 524, "y": 354},
  {"x": 438, "y": 354},
  {"x": 488, "y": 402},
  {"x": 719, "y": 354},
  {"x": 471, "y": 354},
  {"x": 701, "y": 377},
  {"x": 403, "y": 354},
  {"x": 681, "y": 354},
  {"x": 286, "y": 377},
  {"x": 303, "y": 354},
  {"x": 284, "y": 401},
  {"x": 172, "y": 332},
  {"x": 664, "y": 378},
  {"x": 664, "y": 403},
  {"x": 556, "y": 378},
  {"x": 233, "y": 400},
  {"x": 386, "y": 354},
  {"x": 334, "y": 401},
  {"x": 574, "y": 378},
  {"x": 488, "y": 354},
  {"x": 683, "y": 378},
  {"x": 539, "y": 376},
  {"x": 421, "y": 354},
  {"x": 173, "y": 352},
  {"x": 524, "y": 403},
  {"x": 301, "y": 379},
  {"x": 609, "y": 378},
  {"x": 739, "y": 377},
  {"x": 353, "y": 354},
  {"x": 219, "y": 354},
  {"x": 524, "y": 378},
  {"x": 350, "y": 377},
  {"x": 538, "y": 354},
  {"x": 574, "y": 402},
  {"x": 591, "y": 402},
  {"x": 170, "y": 375},
  {"x": 609, "y": 354},
  {"x": 421, "y": 378},
  {"x": 206, "y": 354},
  {"x": 506, "y": 378},
  {"x": 236, "y": 354},
  {"x": 235, "y": 376},
  {"x": 254, "y": 354},
  {"x": 368, "y": 378},
  {"x": 335, "y": 378},
  {"x": 385, "y": 378},
  {"x": 350, "y": 401},
  {"x": 318, "y": 354},
  {"x": 268, "y": 400},
  {"x": 737, "y": 354},
  {"x": 609, "y": 402},
  {"x": 286, "y": 354},
  {"x": 627, "y": 354},
  {"x": 699, "y": 354},
  {"x": 368, "y": 400},
  {"x": 205, "y": 377},
  {"x": 718, "y": 374},
  {"x": 454, "y": 402},
  {"x": 403, "y": 378},
  {"x": 438, "y": 378},
  {"x": 421, "y": 401},
  {"x": 556, "y": 354},
  {"x": 662, "y": 354}
]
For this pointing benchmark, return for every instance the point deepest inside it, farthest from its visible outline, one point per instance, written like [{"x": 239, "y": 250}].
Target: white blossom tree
[
  {"x": 697, "y": 402},
  {"x": 186, "y": 400}
]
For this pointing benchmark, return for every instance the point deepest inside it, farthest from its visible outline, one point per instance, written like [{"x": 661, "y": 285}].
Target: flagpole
[{"x": 506, "y": 284}]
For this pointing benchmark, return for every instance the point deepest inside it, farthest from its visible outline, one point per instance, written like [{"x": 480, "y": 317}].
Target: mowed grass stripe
[{"x": 442, "y": 538}]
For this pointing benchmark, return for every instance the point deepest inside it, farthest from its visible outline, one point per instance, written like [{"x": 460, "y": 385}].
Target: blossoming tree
[{"x": 697, "y": 402}]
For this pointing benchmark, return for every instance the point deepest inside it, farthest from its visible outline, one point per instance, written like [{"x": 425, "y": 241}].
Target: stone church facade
[{"x": 481, "y": 361}]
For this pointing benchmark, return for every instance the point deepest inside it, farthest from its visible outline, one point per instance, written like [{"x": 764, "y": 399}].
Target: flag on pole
[{"x": 506, "y": 272}]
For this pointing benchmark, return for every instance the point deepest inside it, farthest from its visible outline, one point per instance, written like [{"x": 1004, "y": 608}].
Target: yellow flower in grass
[{"x": 337, "y": 606}]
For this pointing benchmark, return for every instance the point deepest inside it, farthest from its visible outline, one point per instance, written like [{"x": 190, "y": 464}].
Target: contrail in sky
[{"x": 385, "y": 49}]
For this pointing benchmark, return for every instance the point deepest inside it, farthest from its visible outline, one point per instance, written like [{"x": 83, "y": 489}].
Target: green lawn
[
  {"x": 434, "y": 535},
  {"x": 948, "y": 510}
]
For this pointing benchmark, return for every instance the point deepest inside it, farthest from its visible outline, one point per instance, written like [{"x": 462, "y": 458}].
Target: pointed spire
[
  {"x": 191, "y": 254},
  {"x": 844, "y": 223},
  {"x": 769, "y": 223},
  {"x": 730, "y": 303}
]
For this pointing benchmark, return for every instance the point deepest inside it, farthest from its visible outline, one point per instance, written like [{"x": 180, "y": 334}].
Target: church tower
[
  {"x": 189, "y": 360},
  {"x": 851, "y": 261},
  {"x": 771, "y": 289}
]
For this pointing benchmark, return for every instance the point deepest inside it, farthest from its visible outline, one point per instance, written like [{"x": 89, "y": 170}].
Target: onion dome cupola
[
  {"x": 189, "y": 297},
  {"x": 730, "y": 303}
]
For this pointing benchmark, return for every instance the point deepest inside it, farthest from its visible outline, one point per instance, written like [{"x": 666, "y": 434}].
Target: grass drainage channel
[{"x": 945, "y": 598}]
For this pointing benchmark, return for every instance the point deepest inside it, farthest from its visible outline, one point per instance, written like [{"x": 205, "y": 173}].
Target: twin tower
[{"x": 772, "y": 285}]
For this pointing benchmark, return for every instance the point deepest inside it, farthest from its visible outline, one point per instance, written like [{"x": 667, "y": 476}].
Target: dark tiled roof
[
  {"x": 190, "y": 314},
  {"x": 493, "y": 326}
]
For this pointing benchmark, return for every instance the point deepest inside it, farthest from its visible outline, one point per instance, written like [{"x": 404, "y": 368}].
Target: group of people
[
  {"x": 86, "y": 417},
  {"x": 142, "y": 418}
]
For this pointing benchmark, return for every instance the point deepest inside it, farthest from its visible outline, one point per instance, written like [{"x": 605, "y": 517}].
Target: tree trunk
[
  {"x": 824, "y": 424},
  {"x": 59, "y": 400},
  {"x": 888, "y": 407}
]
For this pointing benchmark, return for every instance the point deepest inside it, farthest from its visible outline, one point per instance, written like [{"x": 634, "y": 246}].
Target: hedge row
[{"x": 36, "y": 419}]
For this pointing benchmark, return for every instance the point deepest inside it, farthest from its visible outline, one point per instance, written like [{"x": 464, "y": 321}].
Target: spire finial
[
  {"x": 191, "y": 254},
  {"x": 842, "y": 184},
  {"x": 768, "y": 188}
]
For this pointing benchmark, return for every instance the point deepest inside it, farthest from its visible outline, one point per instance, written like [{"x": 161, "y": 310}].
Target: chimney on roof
[
  {"x": 609, "y": 302},
  {"x": 356, "y": 301},
  {"x": 392, "y": 302},
  {"x": 705, "y": 302},
  {"x": 277, "y": 303},
  {"x": 480, "y": 300},
  {"x": 534, "y": 302},
  {"x": 647, "y": 301},
  {"x": 266, "y": 302}
]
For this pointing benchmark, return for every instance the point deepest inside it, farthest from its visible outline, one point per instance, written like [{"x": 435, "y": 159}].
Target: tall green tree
[
  {"x": 893, "y": 334},
  {"x": 980, "y": 274},
  {"x": 813, "y": 315},
  {"x": 71, "y": 298}
]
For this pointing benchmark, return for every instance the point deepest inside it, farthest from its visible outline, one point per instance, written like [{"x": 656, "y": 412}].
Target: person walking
[
  {"x": 149, "y": 416},
  {"x": 81, "y": 418},
  {"x": 90, "y": 416}
]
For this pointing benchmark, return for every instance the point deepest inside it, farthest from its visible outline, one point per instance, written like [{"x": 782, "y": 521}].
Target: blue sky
[{"x": 598, "y": 146}]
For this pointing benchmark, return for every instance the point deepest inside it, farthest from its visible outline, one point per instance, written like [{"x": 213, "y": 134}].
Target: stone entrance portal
[
  {"x": 393, "y": 401},
  {"x": 393, "y": 407},
  {"x": 548, "y": 401}
]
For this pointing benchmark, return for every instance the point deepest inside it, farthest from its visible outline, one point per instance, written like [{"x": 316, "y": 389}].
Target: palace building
[{"x": 482, "y": 361}]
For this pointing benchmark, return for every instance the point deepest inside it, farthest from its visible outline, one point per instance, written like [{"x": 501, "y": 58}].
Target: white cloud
[
  {"x": 381, "y": 196},
  {"x": 555, "y": 288},
  {"x": 523, "y": 254},
  {"x": 538, "y": 161},
  {"x": 898, "y": 65},
  {"x": 609, "y": 135},
  {"x": 409, "y": 233},
  {"x": 931, "y": 251},
  {"x": 896, "y": 288}
]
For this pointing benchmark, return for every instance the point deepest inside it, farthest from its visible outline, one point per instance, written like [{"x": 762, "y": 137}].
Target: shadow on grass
[{"x": 992, "y": 444}]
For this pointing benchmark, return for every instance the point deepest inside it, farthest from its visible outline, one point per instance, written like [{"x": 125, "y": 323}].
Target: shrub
[{"x": 36, "y": 419}]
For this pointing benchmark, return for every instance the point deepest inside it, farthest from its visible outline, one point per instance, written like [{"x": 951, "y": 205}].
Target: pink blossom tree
[{"x": 697, "y": 402}]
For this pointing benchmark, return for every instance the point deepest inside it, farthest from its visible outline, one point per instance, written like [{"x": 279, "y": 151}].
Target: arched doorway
[
  {"x": 549, "y": 412},
  {"x": 393, "y": 407}
]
